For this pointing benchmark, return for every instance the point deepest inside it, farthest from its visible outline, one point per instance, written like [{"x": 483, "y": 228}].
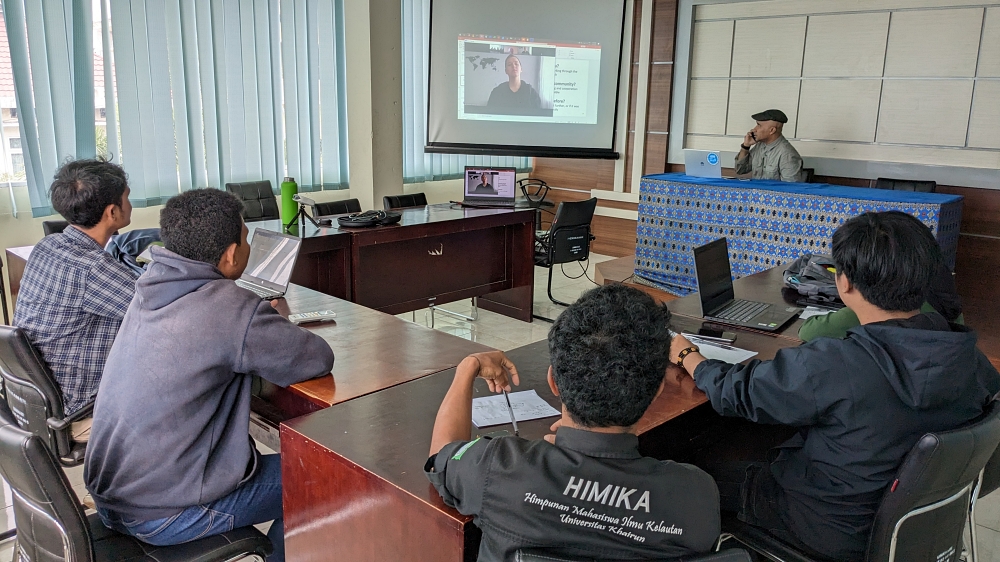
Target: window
[
  {"x": 17, "y": 162},
  {"x": 13, "y": 113},
  {"x": 15, "y": 143}
]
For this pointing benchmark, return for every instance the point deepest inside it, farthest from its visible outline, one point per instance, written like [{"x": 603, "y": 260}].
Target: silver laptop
[
  {"x": 272, "y": 258},
  {"x": 489, "y": 187},
  {"x": 702, "y": 163}
]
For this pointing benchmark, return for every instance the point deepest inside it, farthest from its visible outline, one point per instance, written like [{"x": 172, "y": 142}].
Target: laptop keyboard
[
  {"x": 259, "y": 291},
  {"x": 740, "y": 311}
]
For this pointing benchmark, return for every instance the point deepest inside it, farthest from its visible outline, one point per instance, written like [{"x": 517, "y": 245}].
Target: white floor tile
[
  {"x": 7, "y": 551},
  {"x": 989, "y": 543},
  {"x": 988, "y": 511},
  {"x": 6, "y": 520}
]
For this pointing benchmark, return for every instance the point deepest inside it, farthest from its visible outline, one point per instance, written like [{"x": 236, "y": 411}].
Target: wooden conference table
[
  {"x": 353, "y": 478},
  {"x": 436, "y": 254}
]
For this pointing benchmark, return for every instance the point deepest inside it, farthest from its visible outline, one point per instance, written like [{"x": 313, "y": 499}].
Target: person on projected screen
[
  {"x": 484, "y": 186},
  {"x": 514, "y": 95},
  {"x": 766, "y": 154}
]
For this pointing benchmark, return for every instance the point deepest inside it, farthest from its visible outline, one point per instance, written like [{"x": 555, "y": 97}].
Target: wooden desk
[
  {"x": 353, "y": 478},
  {"x": 761, "y": 287},
  {"x": 372, "y": 351},
  {"x": 435, "y": 254}
]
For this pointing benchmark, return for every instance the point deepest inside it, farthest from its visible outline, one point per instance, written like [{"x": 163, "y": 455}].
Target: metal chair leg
[
  {"x": 473, "y": 318},
  {"x": 974, "y": 547},
  {"x": 551, "y": 298}
]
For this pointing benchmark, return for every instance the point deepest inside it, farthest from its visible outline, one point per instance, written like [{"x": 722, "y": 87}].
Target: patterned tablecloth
[{"x": 767, "y": 223}]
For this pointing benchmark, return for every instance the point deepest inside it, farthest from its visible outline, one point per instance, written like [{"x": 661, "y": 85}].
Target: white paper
[
  {"x": 721, "y": 351},
  {"x": 811, "y": 311},
  {"x": 527, "y": 405}
]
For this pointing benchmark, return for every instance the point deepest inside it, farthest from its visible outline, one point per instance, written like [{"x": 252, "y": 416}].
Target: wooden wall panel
[
  {"x": 614, "y": 237},
  {"x": 664, "y": 26},
  {"x": 660, "y": 78}
]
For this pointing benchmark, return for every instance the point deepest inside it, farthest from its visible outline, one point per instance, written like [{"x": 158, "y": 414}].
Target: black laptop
[{"x": 715, "y": 289}]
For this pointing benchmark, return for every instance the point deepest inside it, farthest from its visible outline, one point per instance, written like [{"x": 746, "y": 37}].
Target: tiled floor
[{"x": 506, "y": 333}]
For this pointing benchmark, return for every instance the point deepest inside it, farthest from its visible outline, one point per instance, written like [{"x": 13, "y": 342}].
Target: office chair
[
  {"x": 52, "y": 526},
  {"x": 810, "y": 175},
  {"x": 33, "y": 395},
  {"x": 567, "y": 240},
  {"x": 988, "y": 483},
  {"x": 928, "y": 186},
  {"x": 336, "y": 208},
  {"x": 259, "y": 202},
  {"x": 391, "y": 202},
  {"x": 539, "y": 555},
  {"x": 924, "y": 511},
  {"x": 54, "y": 227}
]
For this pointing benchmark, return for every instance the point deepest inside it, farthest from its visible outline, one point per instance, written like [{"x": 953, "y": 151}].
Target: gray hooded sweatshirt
[{"x": 173, "y": 407}]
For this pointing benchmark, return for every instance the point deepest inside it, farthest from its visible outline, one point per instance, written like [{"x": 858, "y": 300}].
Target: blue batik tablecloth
[{"x": 767, "y": 223}]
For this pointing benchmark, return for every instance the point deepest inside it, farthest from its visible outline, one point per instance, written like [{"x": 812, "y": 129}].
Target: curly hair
[
  {"x": 610, "y": 351},
  {"x": 200, "y": 224},
  {"x": 82, "y": 189}
]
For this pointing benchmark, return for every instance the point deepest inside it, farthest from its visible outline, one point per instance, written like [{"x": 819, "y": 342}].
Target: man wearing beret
[{"x": 766, "y": 154}]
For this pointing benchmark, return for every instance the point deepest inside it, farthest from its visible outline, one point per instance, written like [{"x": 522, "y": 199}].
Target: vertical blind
[
  {"x": 50, "y": 87},
  {"x": 418, "y": 166},
  {"x": 199, "y": 93},
  {"x": 211, "y": 92}
]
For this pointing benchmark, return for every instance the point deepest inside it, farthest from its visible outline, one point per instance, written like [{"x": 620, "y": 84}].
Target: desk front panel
[{"x": 363, "y": 483}]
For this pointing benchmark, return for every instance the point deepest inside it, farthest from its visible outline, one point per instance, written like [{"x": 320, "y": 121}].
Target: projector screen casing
[{"x": 506, "y": 22}]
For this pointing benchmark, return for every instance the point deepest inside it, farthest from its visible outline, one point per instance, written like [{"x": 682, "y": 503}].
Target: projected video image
[{"x": 505, "y": 79}]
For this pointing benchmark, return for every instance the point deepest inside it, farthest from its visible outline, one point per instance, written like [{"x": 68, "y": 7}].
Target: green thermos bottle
[{"x": 288, "y": 207}]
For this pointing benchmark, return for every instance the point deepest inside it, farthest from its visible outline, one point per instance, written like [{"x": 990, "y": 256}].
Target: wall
[
  {"x": 614, "y": 224},
  {"x": 874, "y": 88}
]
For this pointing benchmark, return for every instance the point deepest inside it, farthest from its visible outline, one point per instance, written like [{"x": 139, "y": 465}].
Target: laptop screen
[
  {"x": 715, "y": 278},
  {"x": 490, "y": 183},
  {"x": 272, "y": 257}
]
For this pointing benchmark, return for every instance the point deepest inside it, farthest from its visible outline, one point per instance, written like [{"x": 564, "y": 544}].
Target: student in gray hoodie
[{"x": 169, "y": 458}]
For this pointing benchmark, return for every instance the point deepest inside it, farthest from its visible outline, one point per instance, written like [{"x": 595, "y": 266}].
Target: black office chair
[
  {"x": 923, "y": 513},
  {"x": 567, "y": 240},
  {"x": 52, "y": 526},
  {"x": 539, "y": 555},
  {"x": 391, "y": 202},
  {"x": 33, "y": 395},
  {"x": 810, "y": 175},
  {"x": 54, "y": 227},
  {"x": 336, "y": 208},
  {"x": 928, "y": 186},
  {"x": 989, "y": 482},
  {"x": 259, "y": 202}
]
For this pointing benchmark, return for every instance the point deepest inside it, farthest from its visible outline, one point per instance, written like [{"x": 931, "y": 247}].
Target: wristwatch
[{"x": 684, "y": 353}]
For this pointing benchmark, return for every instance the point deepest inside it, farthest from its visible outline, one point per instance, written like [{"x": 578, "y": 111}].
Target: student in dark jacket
[
  {"x": 169, "y": 458},
  {"x": 860, "y": 403},
  {"x": 585, "y": 491}
]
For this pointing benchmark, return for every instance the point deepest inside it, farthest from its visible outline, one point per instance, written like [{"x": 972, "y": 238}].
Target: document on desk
[
  {"x": 721, "y": 351},
  {"x": 527, "y": 405},
  {"x": 811, "y": 311}
]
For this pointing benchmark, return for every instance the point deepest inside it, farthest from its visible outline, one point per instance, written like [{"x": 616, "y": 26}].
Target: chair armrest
[{"x": 57, "y": 424}]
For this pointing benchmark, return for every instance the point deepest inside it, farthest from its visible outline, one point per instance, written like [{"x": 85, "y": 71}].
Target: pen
[{"x": 511, "y": 410}]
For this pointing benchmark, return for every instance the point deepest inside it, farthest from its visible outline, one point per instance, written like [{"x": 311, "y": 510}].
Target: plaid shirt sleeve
[{"x": 110, "y": 287}]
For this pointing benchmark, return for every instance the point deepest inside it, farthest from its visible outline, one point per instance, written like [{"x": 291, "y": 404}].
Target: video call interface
[
  {"x": 490, "y": 182},
  {"x": 527, "y": 80},
  {"x": 272, "y": 257}
]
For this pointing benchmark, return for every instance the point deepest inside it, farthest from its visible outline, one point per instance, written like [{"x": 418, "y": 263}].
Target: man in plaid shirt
[{"x": 74, "y": 294}]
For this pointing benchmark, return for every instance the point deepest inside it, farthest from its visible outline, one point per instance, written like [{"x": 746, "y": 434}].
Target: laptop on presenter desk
[
  {"x": 489, "y": 187},
  {"x": 715, "y": 291},
  {"x": 702, "y": 163},
  {"x": 272, "y": 257}
]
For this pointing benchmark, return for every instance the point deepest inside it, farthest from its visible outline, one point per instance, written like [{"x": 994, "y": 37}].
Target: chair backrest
[
  {"x": 810, "y": 174},
  {"x": 51, "y": 525},
  {"x": 54, "y": 227},
  {"x": 540, "y": 555},
  {"x": 399, "y": 201},
  {"x": 32, "y": 392},
  {"x": 923, "y": 513},
  {"x": 259, "y": 202},
  {"x": 569, "y": 235},
  {"x": 928, "y": 186},
  {"x": 336, "y": 208},
  {"x": 991, "y": 475}
]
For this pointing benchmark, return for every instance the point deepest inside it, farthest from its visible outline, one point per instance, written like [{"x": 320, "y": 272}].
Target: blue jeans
[{"x": 258, "y": 500}]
